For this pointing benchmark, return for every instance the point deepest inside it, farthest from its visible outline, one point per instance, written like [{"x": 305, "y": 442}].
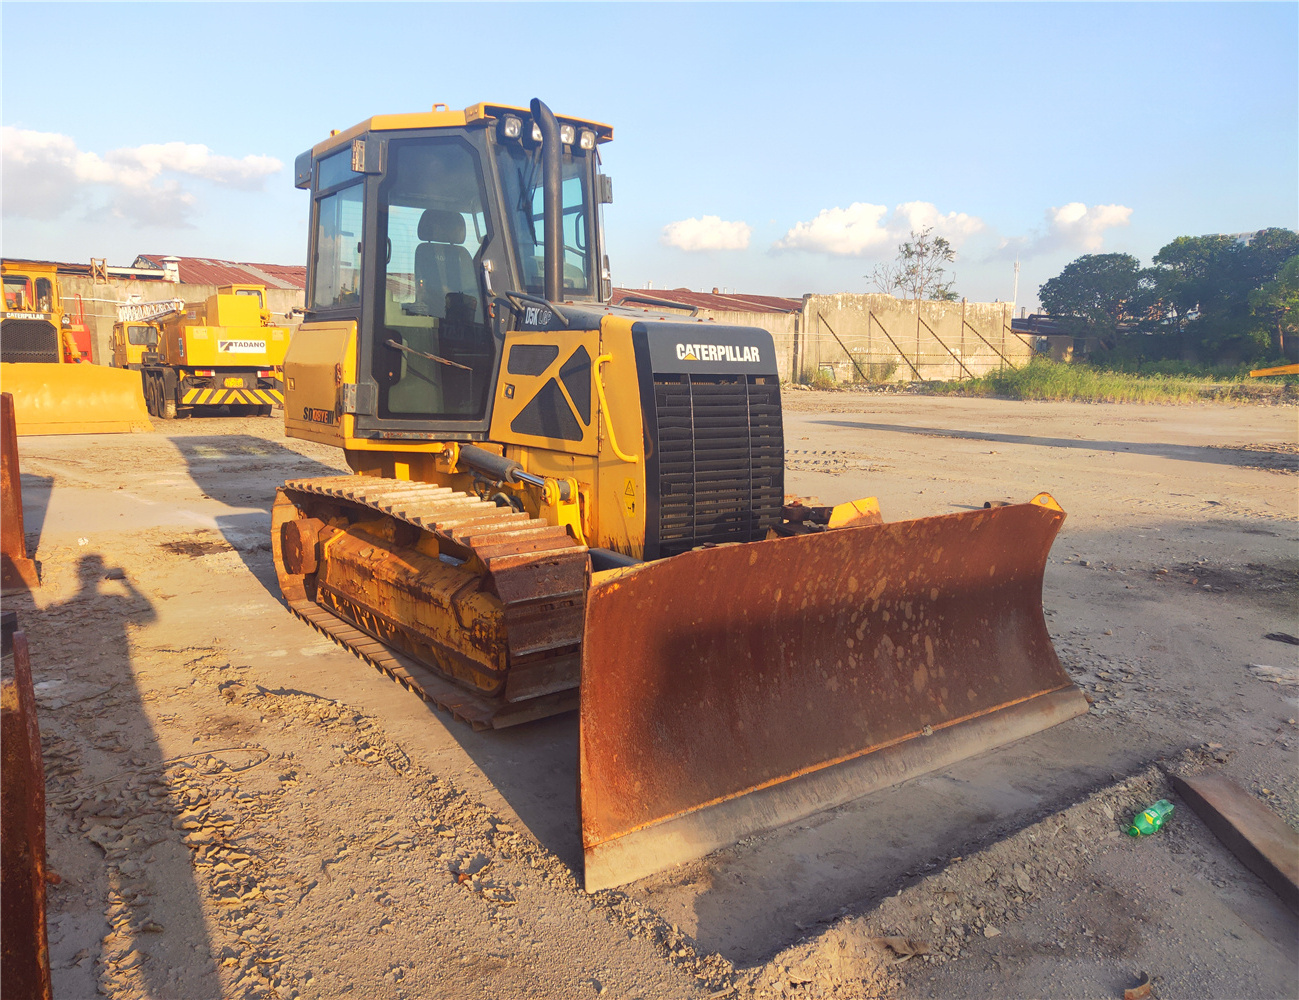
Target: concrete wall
[
  {"x": 887, "y": 339},
  {"x": 879, "y": 338},
  {"x": 783, "y": 328},
  {"x": 99, "y": 301}
]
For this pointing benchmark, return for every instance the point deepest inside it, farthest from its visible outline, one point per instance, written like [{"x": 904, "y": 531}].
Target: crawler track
[{"x": 537, "y": 570}]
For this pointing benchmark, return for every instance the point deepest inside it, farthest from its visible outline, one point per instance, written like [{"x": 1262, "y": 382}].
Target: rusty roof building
[
  {"x": 715, "y": 301},
  {"x": 205, "y": 271}
]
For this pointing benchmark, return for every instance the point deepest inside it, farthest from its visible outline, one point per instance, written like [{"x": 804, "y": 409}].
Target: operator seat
[{"x": 442, "y": 264}]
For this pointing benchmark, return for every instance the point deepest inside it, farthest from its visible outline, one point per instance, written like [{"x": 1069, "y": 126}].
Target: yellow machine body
[
  {"x": 54, "y": 394},
  {"x": 561, "y": 504}
]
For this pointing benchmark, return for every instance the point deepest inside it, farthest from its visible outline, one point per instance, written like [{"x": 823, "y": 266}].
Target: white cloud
[
  {"x": 1073, "y": 227},
  {"x": 955, "y": 226},
  {"x": 1077, "y": 227},
  {"x": 46, "y": 175},
  {"x": 863, "y": 229},
  {"x": 708, "y": 233}
]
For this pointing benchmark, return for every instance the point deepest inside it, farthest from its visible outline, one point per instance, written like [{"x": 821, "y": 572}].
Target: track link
[{"x": 537, "y": 569}]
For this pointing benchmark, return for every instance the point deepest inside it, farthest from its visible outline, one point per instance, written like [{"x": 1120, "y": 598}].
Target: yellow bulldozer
[
  {"x": 55, "y": 390},
  {"x": 558, "y": 504}
]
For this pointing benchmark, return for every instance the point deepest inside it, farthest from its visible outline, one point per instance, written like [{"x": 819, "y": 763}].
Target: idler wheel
[{"x": 299, "y": 542}]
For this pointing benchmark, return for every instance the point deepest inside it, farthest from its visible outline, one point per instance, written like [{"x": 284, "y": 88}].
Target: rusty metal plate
[
  {"x": 717, "y": 676},
  {"x": 17, "y": 570},
  {"x": 24, "y": 950}
]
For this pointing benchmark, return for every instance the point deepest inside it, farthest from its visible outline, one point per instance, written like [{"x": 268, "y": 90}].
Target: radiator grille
[
  {"x": 29, "y": 340},
  {"x": 720, "y": 459}
]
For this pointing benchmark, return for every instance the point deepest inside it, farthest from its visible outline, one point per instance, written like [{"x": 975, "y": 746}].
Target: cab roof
[{"x": 441, "y": 117}]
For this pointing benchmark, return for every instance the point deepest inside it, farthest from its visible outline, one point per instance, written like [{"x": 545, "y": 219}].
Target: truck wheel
[{"x": 149, "y": 403}]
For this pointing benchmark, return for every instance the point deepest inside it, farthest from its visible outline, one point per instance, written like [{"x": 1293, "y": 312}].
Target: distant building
[
  {"x": 202, "y": 271},
  {"x": 714, "y": 301}
]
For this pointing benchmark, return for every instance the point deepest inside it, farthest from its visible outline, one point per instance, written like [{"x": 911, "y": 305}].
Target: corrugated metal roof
[
  {"x": 716, "y": 301},
  {"x": 201, "y": 271}
]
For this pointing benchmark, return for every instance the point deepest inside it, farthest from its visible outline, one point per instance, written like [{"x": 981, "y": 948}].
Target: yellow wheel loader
[
  {"x": 562, "y": 504},
  {"x": 54, "y": 391}
]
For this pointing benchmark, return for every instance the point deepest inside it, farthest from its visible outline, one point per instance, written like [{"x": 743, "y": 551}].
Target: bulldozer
[
  {"x": 44, "y": 363},
  {"x": 560, "y": 504}
]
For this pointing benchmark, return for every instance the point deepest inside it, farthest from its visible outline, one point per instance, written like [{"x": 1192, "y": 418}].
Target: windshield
[
  {"x": 141, "y": 336},
  {"x": 521, "y": 181}
]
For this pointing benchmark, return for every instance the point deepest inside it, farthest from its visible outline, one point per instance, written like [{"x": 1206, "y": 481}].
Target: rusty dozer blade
[
  {"x": 731, "y": 690},
  {"x": 75, "y": 399}
]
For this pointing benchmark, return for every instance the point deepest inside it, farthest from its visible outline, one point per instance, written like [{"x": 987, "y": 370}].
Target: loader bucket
[
  {"x": 730, "y": 690},
  {"x": 75, "y": 399}
]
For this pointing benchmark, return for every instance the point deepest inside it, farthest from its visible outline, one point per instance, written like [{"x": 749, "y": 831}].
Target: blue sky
[{"x": 770, "y": 148}]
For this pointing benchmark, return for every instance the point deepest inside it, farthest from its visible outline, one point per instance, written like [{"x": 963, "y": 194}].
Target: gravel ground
[{"x": 238, "y": 808}]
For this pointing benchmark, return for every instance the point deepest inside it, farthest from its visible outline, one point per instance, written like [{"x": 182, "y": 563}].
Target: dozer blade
[
  {"x": 75, "y": 399},
  {"x": 730, "y": 690}
]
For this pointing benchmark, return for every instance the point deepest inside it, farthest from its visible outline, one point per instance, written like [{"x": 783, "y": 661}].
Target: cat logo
[{"x": 717, "y": 352}]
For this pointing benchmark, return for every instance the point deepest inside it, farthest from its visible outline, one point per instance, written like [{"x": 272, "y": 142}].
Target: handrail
[{"x": 604, "y": 408}]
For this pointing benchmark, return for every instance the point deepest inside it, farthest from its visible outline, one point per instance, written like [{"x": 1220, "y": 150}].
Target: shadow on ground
[
  {"x": 1183, "y": 453},
  {"x": 243, "y": 471},
  {"x": 107, "y": 797}
]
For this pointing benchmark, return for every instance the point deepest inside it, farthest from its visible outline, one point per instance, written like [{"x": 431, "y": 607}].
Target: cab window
[
  {"x": 253, "y": 292},
  {"x": 141, "y": 336},
  {"x": 433, "y": 349},
  {"x": 44, "y": 295},
  {"x": 336, "y": 275},
  {"x": 17, "y": 292}
]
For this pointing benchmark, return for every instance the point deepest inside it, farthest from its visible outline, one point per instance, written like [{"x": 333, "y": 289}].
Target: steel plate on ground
[{"x": 734, "y": 689}]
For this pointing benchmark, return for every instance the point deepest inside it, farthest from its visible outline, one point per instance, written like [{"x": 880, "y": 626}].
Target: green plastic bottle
[{"x": 1148, "y": 822}]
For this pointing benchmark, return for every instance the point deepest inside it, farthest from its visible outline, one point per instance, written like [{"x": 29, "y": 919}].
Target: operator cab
[{"x": 419, "y": 223}]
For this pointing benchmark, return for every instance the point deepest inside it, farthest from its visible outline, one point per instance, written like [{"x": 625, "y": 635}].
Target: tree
[
  {"x": 1277, "y": 302},
  {"x": 1207, "y": 285},
  {"x": 1096, "y": 293},
  {"x": 919, "y": 268}
]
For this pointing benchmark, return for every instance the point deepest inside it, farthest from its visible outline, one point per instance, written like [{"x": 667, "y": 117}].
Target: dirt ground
[{"x": 239, "y": 808}]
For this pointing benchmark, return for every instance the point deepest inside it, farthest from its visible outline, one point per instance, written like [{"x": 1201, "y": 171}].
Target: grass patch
[{"x": 1052, "y": 380}]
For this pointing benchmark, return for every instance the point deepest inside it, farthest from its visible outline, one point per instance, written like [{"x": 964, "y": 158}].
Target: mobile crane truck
[{"x": 223, "y": 351}]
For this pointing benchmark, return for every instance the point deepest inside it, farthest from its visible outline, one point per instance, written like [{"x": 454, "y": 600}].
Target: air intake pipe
[{"x": 552, "y": 204}]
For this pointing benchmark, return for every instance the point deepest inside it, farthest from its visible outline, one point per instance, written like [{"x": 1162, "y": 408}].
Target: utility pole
[{"x": 1014, "y": 298}]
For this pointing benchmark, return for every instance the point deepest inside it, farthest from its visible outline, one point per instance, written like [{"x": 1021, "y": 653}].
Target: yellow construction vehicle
[
  {"x": 223, "y": 351},
  {"x": 561, "y": 504},
  {"x": 42, "y": 363},
  {"x": 132, "y": 341}
]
